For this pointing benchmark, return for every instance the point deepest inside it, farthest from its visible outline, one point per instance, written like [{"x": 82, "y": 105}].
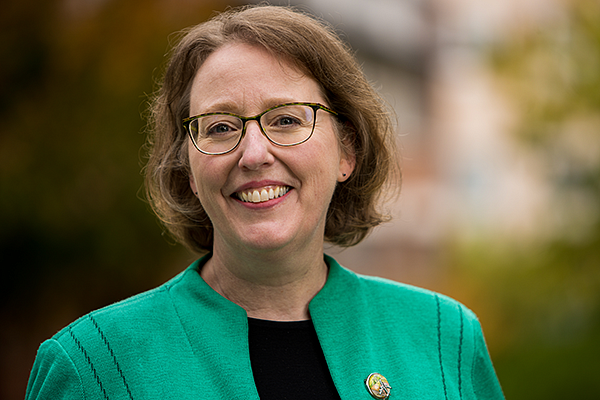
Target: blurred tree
[
  {"x": 75, "y": 234},
  {"x": 548, "y": 290}
]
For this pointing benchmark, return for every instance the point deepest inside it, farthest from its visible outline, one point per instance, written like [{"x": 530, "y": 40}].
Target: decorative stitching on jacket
[
  {"x": 110, "y": 350},
  {"x": 439, "y": 333},
  {"x": 90, "y": 363}
]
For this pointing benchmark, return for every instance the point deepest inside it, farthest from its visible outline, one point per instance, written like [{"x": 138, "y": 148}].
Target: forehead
[{"x": 244, "y": 78}]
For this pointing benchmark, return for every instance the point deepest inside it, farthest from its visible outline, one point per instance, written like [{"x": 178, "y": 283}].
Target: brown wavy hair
[{"x": 364, "y": 127}]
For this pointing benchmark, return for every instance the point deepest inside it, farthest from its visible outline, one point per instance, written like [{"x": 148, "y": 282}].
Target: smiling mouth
[{"x": 262, "y": 194}]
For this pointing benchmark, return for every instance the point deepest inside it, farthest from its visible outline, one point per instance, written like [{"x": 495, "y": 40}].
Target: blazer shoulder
[
  {"x": 420, "y": 300},
  {"x": 399, "y": 298},
  {"x": 137, "y": 311}
]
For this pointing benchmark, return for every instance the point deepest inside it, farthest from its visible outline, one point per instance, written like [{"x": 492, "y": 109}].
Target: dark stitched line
[
  {"x": 112, "y": 354},
  {"x": 460, "y": 344},
  {"x": 439, "y": 332},
  {"x": 90, "y": 363}
]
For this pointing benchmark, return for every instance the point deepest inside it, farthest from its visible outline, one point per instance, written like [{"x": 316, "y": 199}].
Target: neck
[{"x": 268, "y": 286}]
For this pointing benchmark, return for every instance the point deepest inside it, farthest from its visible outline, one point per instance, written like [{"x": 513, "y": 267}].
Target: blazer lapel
[{"x": 344, "y": 325}]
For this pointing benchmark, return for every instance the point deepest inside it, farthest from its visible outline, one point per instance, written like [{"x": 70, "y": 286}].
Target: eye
[
  {"x": 289, "y": 118},
  {"x": 219, "y": 126},
  {"x": 219, "y": 129},
  {"x": 286, "y": 121}
]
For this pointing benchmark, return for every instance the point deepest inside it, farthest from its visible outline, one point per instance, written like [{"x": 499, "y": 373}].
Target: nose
[{"x": 255, "y": 148}]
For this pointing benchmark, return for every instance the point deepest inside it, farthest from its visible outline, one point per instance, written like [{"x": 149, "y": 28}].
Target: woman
[{"x": 267, "y": 141}]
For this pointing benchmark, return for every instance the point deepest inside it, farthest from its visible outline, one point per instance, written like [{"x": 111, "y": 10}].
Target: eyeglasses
[{"x": 284, "y": 125}]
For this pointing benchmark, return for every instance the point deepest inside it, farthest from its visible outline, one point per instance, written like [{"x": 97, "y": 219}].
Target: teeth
[{"x": 265, "y": 194}]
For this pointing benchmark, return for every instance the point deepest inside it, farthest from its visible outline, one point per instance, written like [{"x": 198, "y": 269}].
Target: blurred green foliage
[{"x": 545, "y": 291}]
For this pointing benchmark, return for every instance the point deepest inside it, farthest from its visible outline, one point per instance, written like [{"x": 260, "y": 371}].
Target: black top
[{"x": 288, "y": 362}]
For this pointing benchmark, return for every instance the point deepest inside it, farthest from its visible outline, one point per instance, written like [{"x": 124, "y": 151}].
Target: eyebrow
[
  {"x": 234, "y": 108},
  {"x": 227, "y": 106}
]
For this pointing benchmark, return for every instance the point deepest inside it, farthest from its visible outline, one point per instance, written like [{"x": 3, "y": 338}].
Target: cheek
[
  {"x": 322, "y": 164},
  {"x": 329, "y": 154},
  {"x": 204, "y": 182}
]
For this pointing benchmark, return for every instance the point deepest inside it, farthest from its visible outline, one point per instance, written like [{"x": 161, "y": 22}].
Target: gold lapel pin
[{"x": 378, "y": 386}]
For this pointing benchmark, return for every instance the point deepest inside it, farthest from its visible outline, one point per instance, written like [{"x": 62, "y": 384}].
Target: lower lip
[{"x": 263, "y": 204}]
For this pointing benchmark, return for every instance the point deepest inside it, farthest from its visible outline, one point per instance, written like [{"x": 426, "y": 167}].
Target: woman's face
[{"x": 246, "y": 80}]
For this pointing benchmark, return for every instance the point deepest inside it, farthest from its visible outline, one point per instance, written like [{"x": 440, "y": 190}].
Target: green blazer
[{"x": 183, "y": 340}]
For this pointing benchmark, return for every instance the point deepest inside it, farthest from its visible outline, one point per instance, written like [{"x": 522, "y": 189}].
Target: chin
[{"x": 267, "y": 243}]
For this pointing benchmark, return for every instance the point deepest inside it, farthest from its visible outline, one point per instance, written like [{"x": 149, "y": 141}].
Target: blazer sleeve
[
  {"x": 54, "y": 375},
  {"x": 483, "y": 377}
]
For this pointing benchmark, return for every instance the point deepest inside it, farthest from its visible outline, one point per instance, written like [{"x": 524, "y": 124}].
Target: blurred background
[{"x": 498, "y": 109}]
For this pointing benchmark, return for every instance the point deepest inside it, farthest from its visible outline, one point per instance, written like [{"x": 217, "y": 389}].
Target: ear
[{"x": 347, "y": 163}]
